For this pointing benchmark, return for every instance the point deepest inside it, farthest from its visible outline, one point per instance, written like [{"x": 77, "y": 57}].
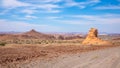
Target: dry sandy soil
[{"x": 31, "y": 56}]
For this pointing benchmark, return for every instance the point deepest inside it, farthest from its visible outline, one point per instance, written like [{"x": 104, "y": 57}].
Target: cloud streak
[
  {"x": 91, "y": 19},
  {"x": 13, "y": 4},
  {"x": 53, "y": 17},
  {"x": 30, "y": 8},
  {"x": 81, "y": 5},
  {"x": 49, "y": 6},
  {"x": 108, "y": 7},
  {"x": 7, "y": 25},
  {"x": 29, "y": 11}
]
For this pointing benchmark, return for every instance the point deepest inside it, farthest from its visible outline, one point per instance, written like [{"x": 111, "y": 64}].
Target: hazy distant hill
[{"x": 32, "y": 34}]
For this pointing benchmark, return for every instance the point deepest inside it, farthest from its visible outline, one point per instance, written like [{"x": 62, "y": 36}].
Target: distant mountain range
[
  {"x": 33, "y": 34},
  {"x": 70, "y": 33}
]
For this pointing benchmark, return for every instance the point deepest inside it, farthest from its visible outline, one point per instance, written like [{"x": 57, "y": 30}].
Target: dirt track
[
  {"x": 59, "y": 57},
  {"x": 109, "y": 58}
]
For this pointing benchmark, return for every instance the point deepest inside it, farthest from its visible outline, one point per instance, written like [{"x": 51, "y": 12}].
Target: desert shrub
[
  {"x": 15, "y": 41},
  {"x": 27, "y": 42},
  {"x": 46, "y": 42},
  {"x": 2, "y": 43},
  {"x": 61, "y": 37},
  {"x": 39, "y": 42}
]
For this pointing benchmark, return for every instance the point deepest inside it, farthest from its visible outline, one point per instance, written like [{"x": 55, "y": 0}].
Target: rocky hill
[{"x": 32, "y": 34}]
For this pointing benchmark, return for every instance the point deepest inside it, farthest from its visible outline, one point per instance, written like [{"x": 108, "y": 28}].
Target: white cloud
[
  {"x": 26, "y": 17},
  {"x": 30, "y": 8},
  {"x": 7, "y": 25},
  {"x": 52, "y": 11},
  {"x": 44, "y": 1},
  {"x": 91, "y": 19},
  {"x": 13, "y": 3},
  {"x": 15, "y": 25},
  {"x": 53, "y": 1},
  {"x": 73, "y": 22},
  {"x": 52, "y": 17},
  {"x": 47, "y": 6},
  {"x": 108, "y": 7},
  {"x": 71, "y": 3},
  {"x": 81, "y": 5},
  {"x": 29, "y": 11},
  {"x": 30, "y": 17}
]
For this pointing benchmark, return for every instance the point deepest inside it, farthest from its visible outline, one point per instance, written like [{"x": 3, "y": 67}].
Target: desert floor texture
[{"x": 60, "y": 57}]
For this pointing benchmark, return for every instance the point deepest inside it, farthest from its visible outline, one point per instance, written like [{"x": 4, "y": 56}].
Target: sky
[{"x": 60, "y": 15}]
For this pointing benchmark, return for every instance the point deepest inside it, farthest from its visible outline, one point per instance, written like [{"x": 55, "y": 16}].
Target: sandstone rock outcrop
[{"x": 92, "y": 38}]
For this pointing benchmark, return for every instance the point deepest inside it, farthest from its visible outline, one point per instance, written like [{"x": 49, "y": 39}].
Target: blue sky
[{"x": 60, "y": 15}]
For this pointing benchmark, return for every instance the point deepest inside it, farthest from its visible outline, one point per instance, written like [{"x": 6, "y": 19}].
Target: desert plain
[{"x": 37, "y": 50}]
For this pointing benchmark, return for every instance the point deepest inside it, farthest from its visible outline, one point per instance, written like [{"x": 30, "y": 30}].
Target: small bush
[{"x": 2, "y": 43}]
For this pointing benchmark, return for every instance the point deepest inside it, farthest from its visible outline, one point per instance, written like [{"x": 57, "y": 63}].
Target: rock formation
[{"x": 92, "y": 38}]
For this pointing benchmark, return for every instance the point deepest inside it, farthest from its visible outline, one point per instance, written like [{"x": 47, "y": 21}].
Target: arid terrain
[
  {"x": 15, "y": 55},
  {"x": 37, "y": 50},
  {"x": 59, "y": 33}
]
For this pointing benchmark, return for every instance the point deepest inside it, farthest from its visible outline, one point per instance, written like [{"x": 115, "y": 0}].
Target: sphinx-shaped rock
[{"x": 92, "y": 38}]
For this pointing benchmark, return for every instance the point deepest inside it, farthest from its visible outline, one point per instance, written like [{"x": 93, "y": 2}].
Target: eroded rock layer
[{"x": 92, "y": 38}]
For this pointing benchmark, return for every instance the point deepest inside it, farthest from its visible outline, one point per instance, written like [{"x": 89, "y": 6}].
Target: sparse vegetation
[
  {"x": 2, "y": 43},
  {"x": 44, "y": 48},
  {"x": 38, "y": 41}
]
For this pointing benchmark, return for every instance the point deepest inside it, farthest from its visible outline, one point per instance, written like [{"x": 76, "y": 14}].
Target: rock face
[{"x": 92, "y": 38}]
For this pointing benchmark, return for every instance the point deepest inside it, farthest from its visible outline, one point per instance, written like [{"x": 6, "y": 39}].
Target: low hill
[{"x": 32, "y": 34}]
